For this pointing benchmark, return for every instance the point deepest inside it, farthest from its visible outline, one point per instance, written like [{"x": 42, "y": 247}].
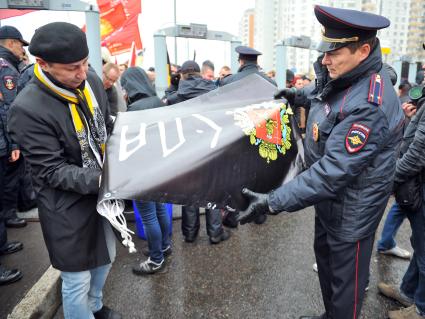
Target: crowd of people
[{"x": 56, "y": 115}]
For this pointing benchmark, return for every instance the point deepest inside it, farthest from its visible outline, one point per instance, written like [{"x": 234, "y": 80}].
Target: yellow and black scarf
[{"x": 86, "y": 116}]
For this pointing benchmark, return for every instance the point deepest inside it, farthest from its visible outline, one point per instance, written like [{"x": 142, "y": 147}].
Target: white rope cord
[{"x": 113, "y": 211}]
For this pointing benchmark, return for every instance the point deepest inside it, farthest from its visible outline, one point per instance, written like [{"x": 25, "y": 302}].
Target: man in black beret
[
  {"x": 353, "y": 134},
  {"x": 61, "y": 121},
  {"x": 248, "y": 65}
]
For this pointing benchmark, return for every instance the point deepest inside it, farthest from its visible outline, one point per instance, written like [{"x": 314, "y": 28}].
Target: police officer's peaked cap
[
  {"x": 190, "y": 66},
  {"x": 343, "y": 26},
  {"x": 9, "y": 32},
  {"x": 247, "y": 53},
  {"x": 59, "y": 42}
]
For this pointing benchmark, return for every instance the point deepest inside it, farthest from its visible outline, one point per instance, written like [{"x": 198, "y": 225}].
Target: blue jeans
[
  {"x": 413, "y": 284},
  {"x": 393, "y": 222},
  {"x": 82, "y": 292},
  {"x": 156, "y": 223}
]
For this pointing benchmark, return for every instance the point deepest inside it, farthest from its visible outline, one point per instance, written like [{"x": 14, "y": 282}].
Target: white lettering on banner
[
  {"x": 213, "y": 126},
  {"x": 126, "y": 150},
  {"x": 141, "y": 137},
  {"x": 161, "y": 127}
]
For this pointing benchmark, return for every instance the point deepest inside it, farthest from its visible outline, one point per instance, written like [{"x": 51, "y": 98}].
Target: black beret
[
  {"x": 59, "y": 42},
  {"x": 190, "y": 66},
  {"x": 344, "y": 26}
]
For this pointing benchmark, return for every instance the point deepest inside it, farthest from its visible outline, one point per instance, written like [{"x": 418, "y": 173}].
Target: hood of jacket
[
  {"x": 136, "y": 83},
  {"x": 194, "y": 86},
  {"x": 9, "y": 56},
  {"x": 325, "y": 85}
]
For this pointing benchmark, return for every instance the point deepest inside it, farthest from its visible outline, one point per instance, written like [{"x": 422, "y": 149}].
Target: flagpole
[{"x": 175, "y": 32}]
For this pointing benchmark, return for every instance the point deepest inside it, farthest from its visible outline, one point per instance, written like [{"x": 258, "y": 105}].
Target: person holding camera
[{"x": 409, "y": 173}]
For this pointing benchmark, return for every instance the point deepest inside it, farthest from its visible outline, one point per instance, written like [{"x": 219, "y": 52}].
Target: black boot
[
  {"x": 107, "y": 313},
  {"x": 230, "y": 219},
  {"x": 260, "y": 219},
  {"x": 7, "y": 276}
]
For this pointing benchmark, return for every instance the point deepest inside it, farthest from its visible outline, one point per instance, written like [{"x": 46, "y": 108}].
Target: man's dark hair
[
  {"x": 208, "y": 64},
  {"x": 356, "y": 45}
]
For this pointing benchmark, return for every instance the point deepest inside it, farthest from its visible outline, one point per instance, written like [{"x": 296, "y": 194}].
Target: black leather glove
[
  {"x": 288, "y": 94},
  {"x": 258, "y": 205}
]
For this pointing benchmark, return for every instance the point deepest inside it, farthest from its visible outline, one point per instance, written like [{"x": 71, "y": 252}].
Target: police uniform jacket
[
  {"x": 9, "y": 76},
  {"x": 352, "y": 139},
  {"x": 66, "y": 191},
  {"x": 245, "y": 70}
]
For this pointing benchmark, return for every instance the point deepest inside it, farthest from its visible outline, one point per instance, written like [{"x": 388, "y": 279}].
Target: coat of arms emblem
[{"x": 267, "y": 125}]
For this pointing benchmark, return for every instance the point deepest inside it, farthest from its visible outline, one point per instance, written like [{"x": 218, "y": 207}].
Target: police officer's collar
[
  {"x": 248, "y": 65},
  {"x": 9, "y": 56}
]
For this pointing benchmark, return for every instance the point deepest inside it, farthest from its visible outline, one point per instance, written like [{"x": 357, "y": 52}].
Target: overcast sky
[{"x": 219, "y": 15}]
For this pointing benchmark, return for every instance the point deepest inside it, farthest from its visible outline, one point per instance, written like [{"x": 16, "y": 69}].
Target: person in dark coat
[
  {"x": 248, "y": 65},
  {"x": 139, "y": 93},
  {"x": 111, "y": 74},
  {"x": 352, "y": 141},
  {"x": 61, "y": 121},
  {"x": 11, "y": 53},
  {"x": 192, "y": 85}
]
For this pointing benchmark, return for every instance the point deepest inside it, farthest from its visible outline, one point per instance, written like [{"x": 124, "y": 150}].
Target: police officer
[
  {"x": 11, "y": 55},
  {"x": 248, "y": 65},
  {"x": 352, "y": 137}
]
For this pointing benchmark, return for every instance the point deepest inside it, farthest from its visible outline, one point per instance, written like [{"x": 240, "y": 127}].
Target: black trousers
[
  {"x": 12, "y": 181},
  {"x": 3, "y": 234},
  {"x": 343, "y": 272},
  {"x": 191, "y": 224}
]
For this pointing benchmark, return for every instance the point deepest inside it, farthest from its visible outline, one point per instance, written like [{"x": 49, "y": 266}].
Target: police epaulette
[{"x": 376, "y": 89}]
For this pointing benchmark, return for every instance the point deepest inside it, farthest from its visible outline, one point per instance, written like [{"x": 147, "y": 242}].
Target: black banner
[{"x": 202, "y": 152}]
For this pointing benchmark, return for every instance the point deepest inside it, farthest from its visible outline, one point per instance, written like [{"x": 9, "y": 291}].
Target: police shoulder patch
[
  {"x": 356, "y": 137},
  {"x": 376, "y": 89},
  {"x": 8, "y": 82}
]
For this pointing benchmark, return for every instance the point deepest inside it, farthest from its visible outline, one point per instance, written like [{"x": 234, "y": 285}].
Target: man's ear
[
  {"x": 364, "y": 51},
  {"x": 43, "y": 64}
]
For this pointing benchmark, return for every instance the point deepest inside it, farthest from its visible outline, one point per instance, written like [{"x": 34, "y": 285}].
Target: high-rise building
[
  {"x": 266, "y": 31},
  {"x": 416, "y": 34},
  {"x": 395, "y": 36},
  {"x": 278, "y": 20},
  {"x": 247, "y": 27}
]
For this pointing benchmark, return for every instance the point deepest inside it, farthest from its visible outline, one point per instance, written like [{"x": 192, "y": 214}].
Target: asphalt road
[
  {"x": 260, "y": 272},
  {"x": 32, "y": 261}
]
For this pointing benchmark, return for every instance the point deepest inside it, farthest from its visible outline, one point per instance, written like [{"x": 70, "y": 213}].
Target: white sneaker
[
  {"x": 398, "y": 252},
  {"x": 315, "y": 267}
]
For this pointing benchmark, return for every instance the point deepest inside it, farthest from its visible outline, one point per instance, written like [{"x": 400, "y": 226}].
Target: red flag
[
  {"x": 133, "y": 55},
  {"x": 133, "y": 7},
  {"x": 121, "y": 40},
  {"x": 9, "y": 13},
  {"x": 112, "y": 19}
]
